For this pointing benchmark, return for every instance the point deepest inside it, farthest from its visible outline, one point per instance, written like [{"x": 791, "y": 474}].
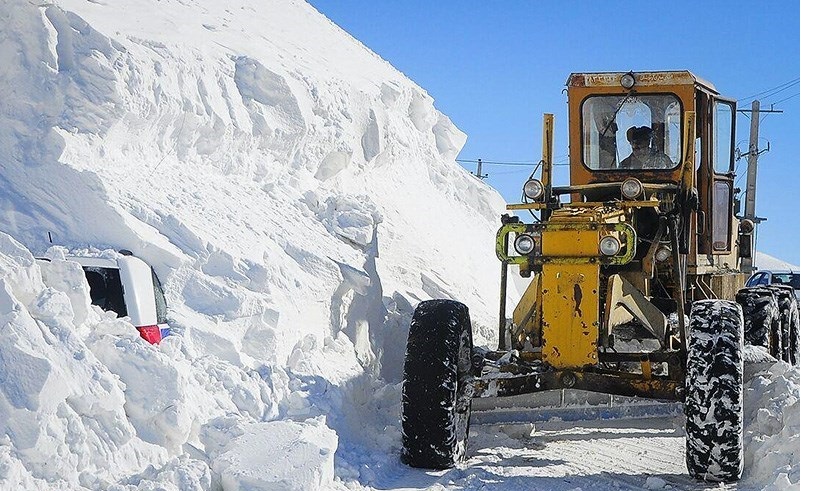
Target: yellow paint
[
  {"x": 645, "y": 369},
  {"x": 570, "y": 306},
  {"x": 571, "y": 242}
]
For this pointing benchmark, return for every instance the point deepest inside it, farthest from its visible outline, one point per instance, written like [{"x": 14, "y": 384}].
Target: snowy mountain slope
[
  {"x": 297, "y": 196},
  {"x": 765, "y": 261}
]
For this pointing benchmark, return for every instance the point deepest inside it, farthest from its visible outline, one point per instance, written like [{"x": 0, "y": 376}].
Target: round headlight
[
  {"x": 628, "y": 80},
  {"x": 663, "y": 253},
  {"x": 609, "y": 245},
  {"x": 534, "y": 189},
  {"x": 746, "y": 226},
  {"x": 631, "y": 188},
  {"x": 524, "y": 244}
]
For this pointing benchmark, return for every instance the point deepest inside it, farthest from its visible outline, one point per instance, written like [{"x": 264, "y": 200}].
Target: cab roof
[{"x": 613, "y": 79}]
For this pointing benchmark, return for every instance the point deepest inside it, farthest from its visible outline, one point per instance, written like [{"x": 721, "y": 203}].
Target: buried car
[{"x": 128, "y": 286}]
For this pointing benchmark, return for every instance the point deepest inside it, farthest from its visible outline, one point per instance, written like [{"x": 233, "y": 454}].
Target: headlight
[
  {"x": 746, "y": 226},
  {"x": 609, "y": 245},
  {"x": 628, "y": 81},
  {"x": 663, "y": 253},
  {"x": 524, "y": 244},
  {"x": 631, "y": 188},
  {"x": 534, "y": 189}
]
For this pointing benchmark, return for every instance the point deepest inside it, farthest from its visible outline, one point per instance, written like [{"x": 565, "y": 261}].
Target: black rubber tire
[
  {"x": 438, "y": 385},
  {"x": 790, "y": 316},
  {"x": 787, "y": 307},
  {"x": 713, "y": 405},
  {"x": 762, "y": 326},
  {"x": 795, "y": 334}
]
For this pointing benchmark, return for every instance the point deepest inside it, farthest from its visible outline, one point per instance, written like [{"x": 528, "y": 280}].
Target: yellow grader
[{"x": 636, "y": 286}]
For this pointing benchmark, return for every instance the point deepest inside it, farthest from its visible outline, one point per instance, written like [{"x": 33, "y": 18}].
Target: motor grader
[{"x": 634, "y": 270}]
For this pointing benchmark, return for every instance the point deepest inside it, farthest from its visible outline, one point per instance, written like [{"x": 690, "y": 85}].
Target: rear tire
[
  {"x": 788, "y": 318},
  {"x": 713, "y": 404},
  {"x": 762, "y": 326},
  {"x": 784, "y": 302},
  {"x": 795, "y": 337},
  {"x": 438, "y": 385}
]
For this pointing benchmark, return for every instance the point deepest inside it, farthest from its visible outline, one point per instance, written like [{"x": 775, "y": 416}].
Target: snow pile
[
  {"x": 772, "y": 427},
  {"x": 297, "y": 197}
]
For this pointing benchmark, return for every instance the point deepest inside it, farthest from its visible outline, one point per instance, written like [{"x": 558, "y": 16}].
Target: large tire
[
  {"x": 762, "y": 326},
  {"x": 790, "y": 315},
  {"x": 795, "y": 336},
  {"x": 787, "y": 312},
  {"x": 438, "y": 385},
  {"x": 713, "y": 404}
]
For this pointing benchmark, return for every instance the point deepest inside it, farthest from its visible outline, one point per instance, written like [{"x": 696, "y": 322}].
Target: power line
[
  {"x": 786, "y": 98},
  {"x": 778, "y": 92},
  {"x": 774, "y": 90},
  {"x": 510, "y": 163},
  {"x": 495, "y": 162}
]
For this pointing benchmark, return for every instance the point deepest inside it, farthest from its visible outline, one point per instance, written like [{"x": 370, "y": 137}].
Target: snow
[
  {"x": 298, "y": 197},
  {"x": 765, "y": 261}
]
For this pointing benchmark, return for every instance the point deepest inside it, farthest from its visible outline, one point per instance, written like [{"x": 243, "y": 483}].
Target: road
[{"x": 573, "y": 454}]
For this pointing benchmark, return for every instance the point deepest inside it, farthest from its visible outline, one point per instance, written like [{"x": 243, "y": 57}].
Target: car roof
[{"x": 95, "y": 262}]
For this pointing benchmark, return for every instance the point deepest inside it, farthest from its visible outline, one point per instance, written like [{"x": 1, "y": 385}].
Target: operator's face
[{"x": 640, "y": 147}]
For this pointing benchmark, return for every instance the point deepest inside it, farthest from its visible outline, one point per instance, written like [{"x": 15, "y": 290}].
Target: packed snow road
[{"x": 646, "y": 453}]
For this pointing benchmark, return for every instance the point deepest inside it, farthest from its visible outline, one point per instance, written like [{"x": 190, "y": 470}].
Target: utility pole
[
  {"x": 752, "y": 172},
  {"x": 479, "y": 170}
]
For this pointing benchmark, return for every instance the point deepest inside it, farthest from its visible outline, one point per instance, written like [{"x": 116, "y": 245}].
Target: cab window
[
  {"x": 632, "y": 131},
  {"x": 723, "y": 128}
]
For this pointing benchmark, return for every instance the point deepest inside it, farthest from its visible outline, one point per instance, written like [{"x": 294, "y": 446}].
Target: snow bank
[
  {"x": 772, "y": 419},
  {"x": 295, "y": 193}
]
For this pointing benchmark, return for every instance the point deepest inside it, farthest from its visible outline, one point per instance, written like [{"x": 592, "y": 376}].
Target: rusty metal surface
[{"x": 643, "y": 79}]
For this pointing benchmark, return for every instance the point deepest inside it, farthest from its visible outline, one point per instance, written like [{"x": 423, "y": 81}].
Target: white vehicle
[{"x": 128, "y": 286}]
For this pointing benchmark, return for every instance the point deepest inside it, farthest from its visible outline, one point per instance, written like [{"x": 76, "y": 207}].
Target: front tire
[
  {"x": 438, "y": 385},
  {"x": 713, "y": 404}
]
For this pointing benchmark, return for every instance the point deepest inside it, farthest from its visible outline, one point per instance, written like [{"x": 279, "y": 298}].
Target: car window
[
  {"x": 755, "y": 279},
  {"x": 781, "y": 279},
  {"x": 106, "y": 289},
  {"x": 159, "y": 299},
  {"x": 795, "y": 281}
]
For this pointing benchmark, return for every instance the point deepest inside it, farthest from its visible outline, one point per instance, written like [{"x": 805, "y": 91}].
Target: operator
[{"x": 644, "y": 157}]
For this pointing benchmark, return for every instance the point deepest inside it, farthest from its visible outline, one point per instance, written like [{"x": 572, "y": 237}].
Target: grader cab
[{"x": 634, "y": 267}]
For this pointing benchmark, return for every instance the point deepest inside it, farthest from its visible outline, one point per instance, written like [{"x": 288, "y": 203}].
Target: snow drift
[{"x": 297, "y": 196}]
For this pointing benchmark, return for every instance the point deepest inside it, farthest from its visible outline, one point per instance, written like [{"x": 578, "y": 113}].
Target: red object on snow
[{"x": 152, "y": 334}]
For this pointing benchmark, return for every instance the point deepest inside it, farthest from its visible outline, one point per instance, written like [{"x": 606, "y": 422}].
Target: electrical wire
[
  {"x": 558, "y": 162},
  {"x": 787, "y": 98},
  {"x": 772, "y": 91}
]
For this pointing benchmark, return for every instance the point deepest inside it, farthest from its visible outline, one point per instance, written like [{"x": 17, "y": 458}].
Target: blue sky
[{"x": 494, "y": 67}]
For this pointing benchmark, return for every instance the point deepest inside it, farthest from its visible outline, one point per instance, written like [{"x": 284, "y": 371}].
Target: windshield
[
  {"x": 632, "y": 132},
  {"x": 792, "y": 279}
]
